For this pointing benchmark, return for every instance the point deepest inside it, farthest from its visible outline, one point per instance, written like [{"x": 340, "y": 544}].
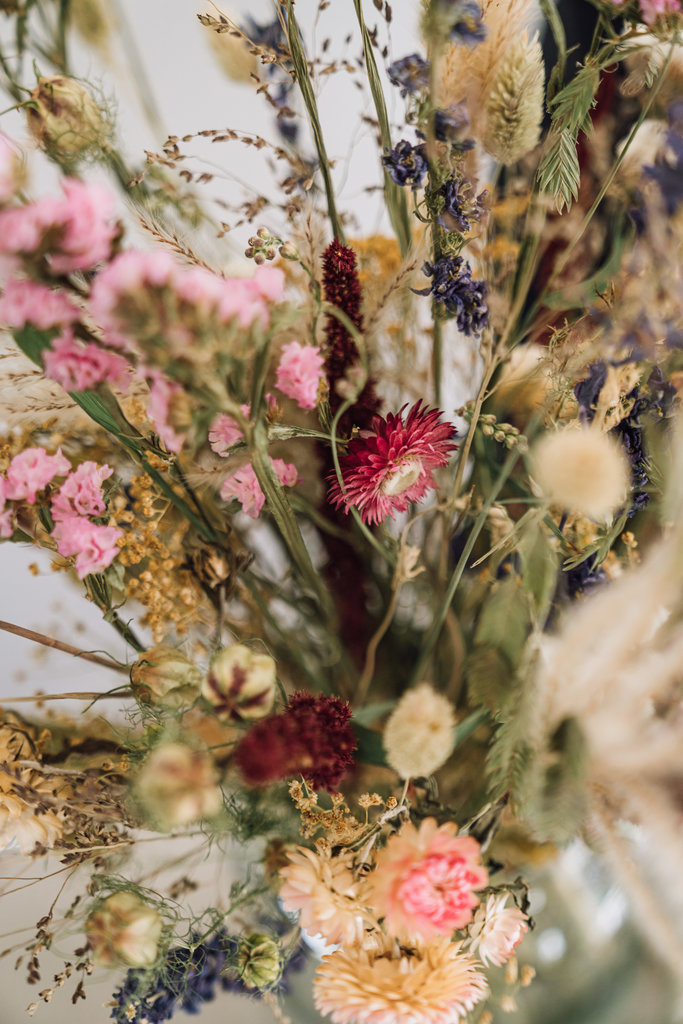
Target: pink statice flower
[
  {"x": 26, "y": 302},
  {"x": 86, "y": 217},
  {"x": 6, "y": 514},
  {"x": 78, "y": 366},
  {"x": 497, "y": 930},
  {"x": 244, "y": 486},
  {"x": 269, "y": 283},
  {"x": 23, "y": 228},
  {"x": 32, "y": 470},
  {"x": 390, "y": 466},
  {"x": 162, "y": 394},
  {"x": 81, "y": 492},
  {"x": 224, "y": 431},
  {"x": 299, "y": 373},
  {"x": 653, "y": 10},
  {"x": 425, "y": 881},
  {"x": 94, "y": 546}
]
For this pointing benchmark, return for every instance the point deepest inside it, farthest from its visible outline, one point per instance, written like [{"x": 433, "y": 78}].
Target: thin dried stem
[{"x": 58, "y": 645}]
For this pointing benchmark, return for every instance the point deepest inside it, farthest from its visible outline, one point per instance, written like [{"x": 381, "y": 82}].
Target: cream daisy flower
[
  {"x": 433, "y": 984},
  {"x": 323, "y": 888}
]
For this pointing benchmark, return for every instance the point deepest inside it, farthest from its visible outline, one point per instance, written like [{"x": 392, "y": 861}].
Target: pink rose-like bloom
[
  {"x": 26, "y": 302},
  {"x": 390, "y": 466},
  {"x": 31, "y": 470},
  {"x": 653, "y": 10},
  {"x": 299, "y": 373},
  {"x": 425, "y": 880},
  {"x": 86, "y": 216},
  {"x": 79, "y": 366},
  {"x": 244, "y": 486},
  {"x": 497, "y": 930},
  {"x": 94, "y": 546},
  {"x": 81, "y": 493},
  {"x": 161, "y": 394}
]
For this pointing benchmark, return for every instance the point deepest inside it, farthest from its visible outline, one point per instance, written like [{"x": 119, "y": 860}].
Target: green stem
[{"x": 305, "y": 85}]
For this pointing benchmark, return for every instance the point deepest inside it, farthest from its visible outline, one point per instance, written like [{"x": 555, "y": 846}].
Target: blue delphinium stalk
[
  {"x": 460, "y": 20},
  {"x": 410, "y": 74},
  {"x": 454, "y": 204},
  {"x": 462, "y": 297},
  {"x": 407, "y": 164}
]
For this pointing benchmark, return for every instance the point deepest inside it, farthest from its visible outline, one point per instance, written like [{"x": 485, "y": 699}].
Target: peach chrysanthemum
[
  {"x": 328, "y": 895},
  {"x": 434, "y": 984},
  {"x": 425, "y": 879},
  {"x": 497, "y": 930}
]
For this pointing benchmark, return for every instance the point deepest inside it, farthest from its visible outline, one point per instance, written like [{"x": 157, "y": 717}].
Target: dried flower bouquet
[{"x": 401, "y": 647}]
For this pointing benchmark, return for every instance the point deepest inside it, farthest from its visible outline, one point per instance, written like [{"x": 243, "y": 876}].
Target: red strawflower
[
  {"x": 389, "y": 466},
  {"x": 312, "y": 737}
]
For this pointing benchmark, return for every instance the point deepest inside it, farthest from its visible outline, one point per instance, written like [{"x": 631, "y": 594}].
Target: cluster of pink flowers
[
  {"x": 148, "y": 294},
  {"x": 390, "y": 466},
  {"x": 80, "y": 496},
  {"x": 299, "y": 373},
  {"x": 162, "y": 393},
  {"x": 26, "y": 302},
  {"x": 244, "y": 486},
  {"x": 77, "y": 365},
  {"x": 653, "y": 10},
  {"x": 76, "y": 230}
]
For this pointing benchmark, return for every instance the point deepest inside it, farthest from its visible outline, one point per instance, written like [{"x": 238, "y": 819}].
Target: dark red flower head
[{"x": 312, "y": 737}]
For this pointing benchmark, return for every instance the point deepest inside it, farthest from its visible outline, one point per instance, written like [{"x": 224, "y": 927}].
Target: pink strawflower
[
  {"x": 94, "y": 546},
  {"x": 224, "y": 431},
  {"x": 390, "y": 466},
  {"x": 497, "y": 930},
  {"x": 77, "y": 366},
  {"x": 244, "y": 486},
  {"x": 32, "y": 470},
  {"x": 26, "y": 302},
  {"x": 81, "y": 493},
  {"x": 162, "y": 394},
  {"x": 653, "y": 10},
  {"x": 86, "y": 217},
  {"x": 300, "y": 373},
  {"x": 425, "y": 879}
]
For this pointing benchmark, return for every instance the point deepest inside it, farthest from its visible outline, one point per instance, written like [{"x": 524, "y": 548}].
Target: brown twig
[{"x": 48, "y": 641}]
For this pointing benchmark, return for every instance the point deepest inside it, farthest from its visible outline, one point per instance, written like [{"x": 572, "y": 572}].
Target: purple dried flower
[
  {"x": 406, "y": 163},
  {"x": 463, "y": 298},
  {"x": 410, "y": 74}
]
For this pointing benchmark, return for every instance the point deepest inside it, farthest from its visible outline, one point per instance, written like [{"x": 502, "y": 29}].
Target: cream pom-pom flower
[
  {"x": 581, "y": 470},
  {"x": 420, "y": 732},
  {"x": 387, "y": 984},
  {"x": 328, "y": 895}
]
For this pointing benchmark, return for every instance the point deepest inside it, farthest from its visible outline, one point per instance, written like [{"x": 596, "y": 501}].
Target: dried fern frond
[{"x": 514, "y": 106}]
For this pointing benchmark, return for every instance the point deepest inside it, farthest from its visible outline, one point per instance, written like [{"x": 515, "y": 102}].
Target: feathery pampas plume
[
  {"x": 470, "y": 73},
  {"x": 514, "y": 107}
]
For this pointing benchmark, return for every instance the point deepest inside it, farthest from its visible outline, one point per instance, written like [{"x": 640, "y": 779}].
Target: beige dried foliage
[
  {"x": 469, "y": 73},
  {"x": 514, "y": 105}
]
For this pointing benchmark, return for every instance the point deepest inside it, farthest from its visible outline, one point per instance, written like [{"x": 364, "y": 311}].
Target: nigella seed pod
[
  {"x": 66, "y": 120},
  {"x": 124, "y": 930},
  {"x": 258, "y": 961},
  {"x": 177, "y": 785},
  {"x": 164, "y": 676},
  {"x": 240, "y": 683}
]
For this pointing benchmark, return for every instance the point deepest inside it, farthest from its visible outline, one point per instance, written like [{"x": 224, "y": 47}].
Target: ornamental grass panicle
[
  {"x": 426, "y": 984},
  {"x": 581, "y": 470},
  {"x": 419, "y": 735},
  {"x": 390, "y": 466},
  {"x": 312, "y": 737},
  {"x": 425, "y": 881},
  {"x": 515, "y": 104}
]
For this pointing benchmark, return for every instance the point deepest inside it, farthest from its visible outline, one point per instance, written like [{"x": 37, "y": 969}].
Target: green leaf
[
  {"x": 539, "y": 568},
  {"x": 504, "y": 621},
  {"x": 371, "y": 712},
  {"x": 370, "y": 748}
]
